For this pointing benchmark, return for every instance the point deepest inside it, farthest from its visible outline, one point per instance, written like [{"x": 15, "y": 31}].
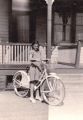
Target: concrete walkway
[{"x": 13, "y": 107}]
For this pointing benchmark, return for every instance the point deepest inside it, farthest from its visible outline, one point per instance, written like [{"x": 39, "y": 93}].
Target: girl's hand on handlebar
[
  {"x": 35, "y": 60},
  {"x": 46, "y": 61}
]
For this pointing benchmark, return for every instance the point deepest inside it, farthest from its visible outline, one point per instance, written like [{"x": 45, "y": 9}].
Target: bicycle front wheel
[
  {"x": 19, "y": 89},
  {"x": 53, "y": 91}
]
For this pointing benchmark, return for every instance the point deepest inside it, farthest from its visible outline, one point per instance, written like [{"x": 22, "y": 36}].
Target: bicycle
[{"x": 51, "y": 87}]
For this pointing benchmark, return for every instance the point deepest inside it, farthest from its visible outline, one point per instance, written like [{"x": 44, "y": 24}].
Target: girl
[{"x": 35, "y": 70}]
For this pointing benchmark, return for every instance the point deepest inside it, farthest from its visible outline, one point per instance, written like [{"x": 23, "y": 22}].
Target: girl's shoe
[
  {"x": 39, "y": 98},
  {"x": 32, "y": 100}
]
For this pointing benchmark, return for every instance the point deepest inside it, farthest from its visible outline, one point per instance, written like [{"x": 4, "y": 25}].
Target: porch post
[{"x": 49, "y": 27}]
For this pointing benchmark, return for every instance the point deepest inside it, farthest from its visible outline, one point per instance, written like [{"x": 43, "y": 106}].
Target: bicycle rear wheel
[
  {"x": 53, "y": 91},
  {"x": 19, "y": 89}
]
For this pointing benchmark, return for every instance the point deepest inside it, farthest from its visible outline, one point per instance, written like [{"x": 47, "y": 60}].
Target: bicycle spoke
[
  {"x": 50, "y": 86},
  {"x": 53, "y": 96},
  {"x": 54, "y": 84},
  {"x": 17, "y": 82}
]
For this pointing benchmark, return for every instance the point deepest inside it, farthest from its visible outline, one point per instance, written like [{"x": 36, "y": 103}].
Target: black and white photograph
[{"x": 41, "y": 59}]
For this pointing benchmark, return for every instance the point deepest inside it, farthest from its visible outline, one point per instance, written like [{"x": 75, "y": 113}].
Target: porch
[{"x": 15, "y": 56}]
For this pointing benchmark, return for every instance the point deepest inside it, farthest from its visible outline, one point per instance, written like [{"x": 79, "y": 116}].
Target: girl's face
[{"x": 36, "y": 47}]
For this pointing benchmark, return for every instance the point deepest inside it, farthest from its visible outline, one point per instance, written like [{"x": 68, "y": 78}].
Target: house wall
[
  {"x": 79, "y": 26},
  {"x": 41, "y": 29},
  {"x": 4, "y": 11},
  {"x": 57, "y": 29}
]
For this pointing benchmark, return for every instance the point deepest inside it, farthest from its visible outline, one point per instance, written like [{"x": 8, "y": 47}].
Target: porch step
[{"x": 72, "y": 82}]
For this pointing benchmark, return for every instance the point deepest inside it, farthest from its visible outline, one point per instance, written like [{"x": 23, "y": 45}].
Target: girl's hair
[{"x": 35, "y": 42}]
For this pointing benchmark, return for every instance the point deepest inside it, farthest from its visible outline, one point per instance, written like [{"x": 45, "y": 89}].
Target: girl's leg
[
  {"x": 38, "y": 93},
  {"x": 32, "y": 74},
  {"x": 32, "y": 93}
]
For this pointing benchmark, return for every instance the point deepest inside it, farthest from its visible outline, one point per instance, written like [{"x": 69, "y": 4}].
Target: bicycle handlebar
[{"x": 46, "y": 60}]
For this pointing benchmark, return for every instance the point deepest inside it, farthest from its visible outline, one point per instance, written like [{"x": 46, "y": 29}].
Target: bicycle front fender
[{"x": 54, "y": 75}]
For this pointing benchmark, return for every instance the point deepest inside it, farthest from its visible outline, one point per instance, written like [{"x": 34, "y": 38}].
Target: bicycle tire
[
  {"x": 20, "y": 90},
  {"x": 53, "y": 91}
]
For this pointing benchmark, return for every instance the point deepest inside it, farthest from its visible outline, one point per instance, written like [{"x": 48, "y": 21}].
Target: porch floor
[{"x": 7, "y": 69}]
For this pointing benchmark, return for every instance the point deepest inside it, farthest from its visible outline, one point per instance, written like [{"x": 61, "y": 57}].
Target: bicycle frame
[{"x": 42, "y": 78}]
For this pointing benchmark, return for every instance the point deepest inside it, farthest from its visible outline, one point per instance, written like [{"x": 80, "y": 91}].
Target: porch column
[{"x": 49, "y": 27}]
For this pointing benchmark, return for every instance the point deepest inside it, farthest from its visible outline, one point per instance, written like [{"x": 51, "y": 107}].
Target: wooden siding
[{"x": 4, "y": 8}]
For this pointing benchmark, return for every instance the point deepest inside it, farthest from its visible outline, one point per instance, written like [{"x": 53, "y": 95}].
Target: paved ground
[
  {"x": 71, "y": 110},
  {"x": 13, "y": 107}
]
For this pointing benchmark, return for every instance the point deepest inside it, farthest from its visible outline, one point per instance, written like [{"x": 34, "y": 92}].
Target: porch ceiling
[
  {"x": 68, "y": 5},
  {"x": 70, "y": 0}
]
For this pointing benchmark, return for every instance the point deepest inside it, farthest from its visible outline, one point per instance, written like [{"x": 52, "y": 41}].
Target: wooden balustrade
[{"x": 14, "y": 53}]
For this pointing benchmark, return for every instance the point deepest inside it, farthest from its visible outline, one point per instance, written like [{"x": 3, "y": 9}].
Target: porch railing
[{"x": 14, "y": 53}]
